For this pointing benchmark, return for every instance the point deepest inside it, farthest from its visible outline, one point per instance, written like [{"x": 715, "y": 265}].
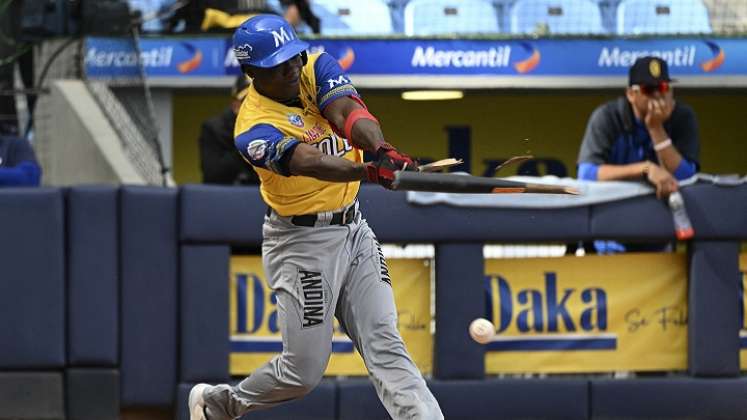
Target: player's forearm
[
  {"x": 365, "y": 133},
  {"x": 630, "y": 171},
  {"x": 669, "y": 156},
  {"x": 312, "y": 163}
]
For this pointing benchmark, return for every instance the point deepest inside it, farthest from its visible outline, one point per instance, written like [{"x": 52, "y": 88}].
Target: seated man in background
[
  {"x": 221, "y": 163},
  {"x": 643, "y": 135},
  {"x": 18, "y": 165}
]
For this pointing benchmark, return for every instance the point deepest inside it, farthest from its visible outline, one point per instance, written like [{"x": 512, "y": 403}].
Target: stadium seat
[
  {"x": 360, "y": 17},
  {"x": 435, "y": 17},
  {"x": 635, "y": 17},
  {"x": 153, "y": 13},
  {"x": 555, "y": 17}
]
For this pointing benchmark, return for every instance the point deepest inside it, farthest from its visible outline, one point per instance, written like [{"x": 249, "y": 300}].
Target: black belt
[{"x": 309, "y": 220}]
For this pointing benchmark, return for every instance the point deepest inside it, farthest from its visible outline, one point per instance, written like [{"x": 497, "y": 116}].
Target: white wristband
[{"x": 663, "y": 145}]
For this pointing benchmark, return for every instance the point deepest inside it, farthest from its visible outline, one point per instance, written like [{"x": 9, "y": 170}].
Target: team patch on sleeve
[
  {"x": 264, "y": 146},
  {"x": 331, "y": 81}
]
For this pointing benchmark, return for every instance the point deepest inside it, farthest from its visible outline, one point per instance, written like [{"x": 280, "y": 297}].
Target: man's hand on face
[{"x": 659, "y": 110}]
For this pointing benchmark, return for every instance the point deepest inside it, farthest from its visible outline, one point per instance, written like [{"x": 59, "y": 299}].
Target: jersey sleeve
[
  {"x": 264, "y": 146},
  {"x": 597, "y": 138},
  {"x": 331, "y": 81}
]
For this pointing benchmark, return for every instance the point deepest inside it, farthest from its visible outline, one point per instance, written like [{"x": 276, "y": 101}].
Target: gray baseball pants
[{"x": 320, "y": 272}]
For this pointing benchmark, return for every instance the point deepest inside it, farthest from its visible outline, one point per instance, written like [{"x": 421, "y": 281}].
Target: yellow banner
[
  {"x": 255, "y": 337},
  {"x": 743, "y": 328},
  {"x": 587, "y": 314}
]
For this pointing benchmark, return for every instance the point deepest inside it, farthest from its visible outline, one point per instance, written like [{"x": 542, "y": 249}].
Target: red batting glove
[{"x": 388, "y": 161}]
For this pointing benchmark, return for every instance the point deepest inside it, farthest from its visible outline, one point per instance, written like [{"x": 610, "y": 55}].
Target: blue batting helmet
[{"x": 266, "y": 41}]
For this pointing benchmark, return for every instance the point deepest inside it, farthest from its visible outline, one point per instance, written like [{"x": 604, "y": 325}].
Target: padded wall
[
  {"x": 32, "y": 396},
  {"x": 729, "y": 204},
  {"x": 32, "y": 278},
  {"x": 93, "y": 276},
  {"x": 490, "y": 399},
  {"x": 92, "y": 394},
  {"x": 461, "y": 224},
  {"x": 149, "y": 296},
  {"x": 713, "y": 309},
  {"x": 669, "y": 398},
  {"x": 460, "y": 298},
  {"x": 204, "y": 340},
  {"x": 509, "y": 399},
  {"x": 319, "y": 404},
  {"x": 634, "y": 218},
  {"x": 221, "y": 214}
]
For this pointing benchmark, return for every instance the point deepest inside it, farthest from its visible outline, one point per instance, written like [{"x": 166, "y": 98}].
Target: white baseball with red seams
[{"x": 481, "y": 330}]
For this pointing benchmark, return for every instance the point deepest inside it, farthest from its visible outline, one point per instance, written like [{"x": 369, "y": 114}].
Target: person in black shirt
[
  {"x": 219, "y": 160},
  {"x": 645, "y": 135}
]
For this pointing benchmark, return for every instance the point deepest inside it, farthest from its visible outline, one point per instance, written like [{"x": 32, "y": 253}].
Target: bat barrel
[
  {"x": 455, "y": 183},
  {"x": 422, "y": 181}
]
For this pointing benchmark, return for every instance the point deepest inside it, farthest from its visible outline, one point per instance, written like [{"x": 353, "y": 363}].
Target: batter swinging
[{"x": 302, "y": 126}]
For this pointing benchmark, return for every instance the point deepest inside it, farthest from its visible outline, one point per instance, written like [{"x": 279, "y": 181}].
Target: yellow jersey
[{"x": 266, "y": 132}]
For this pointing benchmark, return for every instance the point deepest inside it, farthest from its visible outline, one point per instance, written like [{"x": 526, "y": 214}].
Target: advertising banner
[
  {"x": 590, "y": 314},
  {"x": 186, "y": 57},
  {"x": 255, "y": 335}
]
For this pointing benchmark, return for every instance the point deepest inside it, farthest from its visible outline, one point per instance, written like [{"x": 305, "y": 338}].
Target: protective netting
[{"x": 135, "y": 131}]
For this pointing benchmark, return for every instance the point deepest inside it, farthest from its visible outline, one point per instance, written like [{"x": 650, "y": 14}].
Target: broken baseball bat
[{"x": 455, "y": 183}]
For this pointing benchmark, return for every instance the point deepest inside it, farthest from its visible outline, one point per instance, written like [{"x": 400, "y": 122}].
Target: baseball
[{"x": 481, "y": 330}]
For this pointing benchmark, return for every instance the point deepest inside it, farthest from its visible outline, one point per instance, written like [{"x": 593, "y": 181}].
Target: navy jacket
[{"x": 18, "y": 165}]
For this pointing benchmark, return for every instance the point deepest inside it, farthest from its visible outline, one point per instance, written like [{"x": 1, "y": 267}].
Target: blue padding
[
  {"x": 713, "y": 310},
  {"x": 490, "y": 399},
  {"x": 357, "y": 400},
  {"x": 148, "y": 296},
  {"x": 32, "y": 278},
  {"x": 669, "y": 398},
  {"x": 703, "y": 201},
  {"x": 204, "y": 312},
  {"x": 32, "y": 395},
  {"x": 319, "y": 404},
  {"x": 221, "y": 214},
  {"x": 513, "y": 399},
  {"x": 460, "y": 297},
  {"x": 640, "y": 218},
  {"x": 93, "y": 287},
  {"x": 92, "y": 394},
  {"x": 394, "y": 220}
]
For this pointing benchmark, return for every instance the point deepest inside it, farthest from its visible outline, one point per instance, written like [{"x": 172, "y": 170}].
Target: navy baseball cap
[{"x": 648, "y": 71}]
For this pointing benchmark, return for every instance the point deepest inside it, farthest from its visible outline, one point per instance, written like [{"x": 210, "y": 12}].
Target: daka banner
[
  {"x": 587, "y": 314},
  {"x": 255, "y": 336}
]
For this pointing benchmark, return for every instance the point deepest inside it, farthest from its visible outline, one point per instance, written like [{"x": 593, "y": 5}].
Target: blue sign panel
[{"x": 213, "y": 57}]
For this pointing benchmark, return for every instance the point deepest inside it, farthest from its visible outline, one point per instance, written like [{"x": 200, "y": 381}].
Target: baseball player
[{"x": 303, "y": 126}]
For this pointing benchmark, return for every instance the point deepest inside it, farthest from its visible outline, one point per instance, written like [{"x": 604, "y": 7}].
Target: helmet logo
[
  {"x": 282, "y": 37},
  {"x": 242, "y": 51},
  {"x": 654, "y": 68}
]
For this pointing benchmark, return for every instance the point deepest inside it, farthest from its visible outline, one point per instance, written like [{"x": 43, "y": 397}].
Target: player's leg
[
  {"x": 303, "y": 267},
  {"x": 367, "y": 311},
  {"x": 289, "y": 375}
]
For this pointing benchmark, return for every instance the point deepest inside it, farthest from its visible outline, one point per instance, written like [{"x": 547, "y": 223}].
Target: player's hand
[
  {"x": 660, "y": 178},
  {"x": 388, "y": 160},
  {"x": 659, "y": 111}
]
